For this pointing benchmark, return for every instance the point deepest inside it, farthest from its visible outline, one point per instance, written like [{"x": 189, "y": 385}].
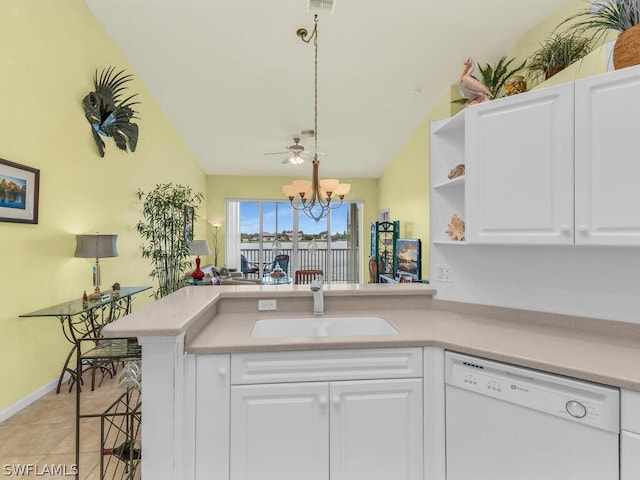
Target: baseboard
[{"x": 32, "y": 397}]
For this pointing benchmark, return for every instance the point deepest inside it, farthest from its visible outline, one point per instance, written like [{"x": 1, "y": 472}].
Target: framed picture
[
  {"x": 19, "y": 190},
  {"x": 409, "y": 257},
  {"x": 188, "y": 223}
]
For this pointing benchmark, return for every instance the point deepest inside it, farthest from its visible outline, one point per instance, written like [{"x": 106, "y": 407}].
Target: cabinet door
[
  {"x": 629, "y": 456},
  {"x": 607, "y": 159},
  {"x": 519, "y": 169},
  {"x": 376, "y": 430},
  {"x": 280, "y": 431}
]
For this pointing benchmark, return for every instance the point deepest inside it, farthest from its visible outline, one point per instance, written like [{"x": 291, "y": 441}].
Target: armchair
[
  {"x": 282, "y": 260},
  {"x": 247, "y": 267}
]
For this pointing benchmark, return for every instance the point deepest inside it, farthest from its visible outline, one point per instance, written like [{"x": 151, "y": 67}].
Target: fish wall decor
[{"x": 108, "y": 116}]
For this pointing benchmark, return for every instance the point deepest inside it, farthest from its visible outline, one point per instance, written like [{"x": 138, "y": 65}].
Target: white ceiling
[{"x": 236, "y": 81}]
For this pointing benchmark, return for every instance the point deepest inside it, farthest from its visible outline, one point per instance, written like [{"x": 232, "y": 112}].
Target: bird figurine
[
  {"x": 107, "y": 115},
  {"x": 470, "y": 88}
]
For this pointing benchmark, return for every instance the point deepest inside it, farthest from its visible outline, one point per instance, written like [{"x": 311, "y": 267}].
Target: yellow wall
[
  {"x": 221, "y": 187},
  {"x": 404, "y": 185},
  {"x": 50, "y": 50}
]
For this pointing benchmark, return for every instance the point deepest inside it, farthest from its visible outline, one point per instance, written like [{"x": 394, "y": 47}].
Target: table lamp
[
  {"x": 198, "y": 247},
  {"x": 96, "y": 246}
]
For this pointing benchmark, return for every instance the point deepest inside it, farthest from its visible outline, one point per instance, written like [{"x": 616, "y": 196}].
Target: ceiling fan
[{"x": 296, "y": 153}]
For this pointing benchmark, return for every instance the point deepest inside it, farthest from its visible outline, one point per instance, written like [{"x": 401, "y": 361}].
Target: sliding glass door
[{"x": 267, "y": 230}]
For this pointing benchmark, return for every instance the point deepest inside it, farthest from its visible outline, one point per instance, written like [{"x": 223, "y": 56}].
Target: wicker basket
[{"x": 626, "y": 51}]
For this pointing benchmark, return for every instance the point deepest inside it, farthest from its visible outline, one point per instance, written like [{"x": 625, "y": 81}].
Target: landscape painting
[
  {"x": 409, "y": 257},
  {"x": 19, "y": 187}
]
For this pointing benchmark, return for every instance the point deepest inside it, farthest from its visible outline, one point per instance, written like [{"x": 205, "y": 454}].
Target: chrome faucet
[{"x": 318, "y": 296}]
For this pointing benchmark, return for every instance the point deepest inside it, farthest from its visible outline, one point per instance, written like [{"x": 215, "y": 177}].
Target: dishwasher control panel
[{"x": 575, "y": 400}]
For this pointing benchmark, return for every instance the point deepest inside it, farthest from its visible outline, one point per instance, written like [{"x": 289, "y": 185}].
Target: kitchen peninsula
[{"x": 200, "y": 359}]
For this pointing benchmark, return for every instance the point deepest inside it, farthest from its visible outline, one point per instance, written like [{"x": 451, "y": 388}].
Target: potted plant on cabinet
[
  {"x": 603, "y": 17},
  {"x": 556, "y": 53},
  {"x": 167, "y": 229},
  {"x": 495, "y": 76}
]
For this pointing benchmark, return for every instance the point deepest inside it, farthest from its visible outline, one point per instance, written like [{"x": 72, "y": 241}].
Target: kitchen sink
[{"x": 321, "y": 327}]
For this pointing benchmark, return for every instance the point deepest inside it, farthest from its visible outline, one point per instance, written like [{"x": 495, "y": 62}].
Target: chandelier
[{"x": 315, "y": 197}]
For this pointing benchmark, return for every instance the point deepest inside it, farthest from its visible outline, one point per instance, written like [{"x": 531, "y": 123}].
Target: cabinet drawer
[
  {"x": 630, "y": 411},
  {"x": 325, "y": 365}
]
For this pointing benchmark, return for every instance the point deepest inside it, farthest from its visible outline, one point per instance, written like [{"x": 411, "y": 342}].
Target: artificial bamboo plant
[{"x": 165, "y": 230}]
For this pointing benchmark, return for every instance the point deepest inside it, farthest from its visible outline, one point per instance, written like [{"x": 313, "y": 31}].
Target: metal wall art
[{"x": 108, "y": 116}]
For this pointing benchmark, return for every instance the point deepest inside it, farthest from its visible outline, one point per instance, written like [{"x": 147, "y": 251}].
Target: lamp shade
[
  {"x": 199, "y": 247},
  {"x": 96, "y": 246}
]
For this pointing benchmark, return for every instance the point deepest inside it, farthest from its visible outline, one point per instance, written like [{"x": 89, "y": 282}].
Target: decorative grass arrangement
[
  {"x": 556, "y": 53},
  {"x": 604, "y": 16}
]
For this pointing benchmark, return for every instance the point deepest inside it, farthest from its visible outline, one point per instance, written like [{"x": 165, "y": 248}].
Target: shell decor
[
  {"x": 455, "y": 229},
  {"x": 108, "y": 116},
  {"x": 457, "y": 171}
]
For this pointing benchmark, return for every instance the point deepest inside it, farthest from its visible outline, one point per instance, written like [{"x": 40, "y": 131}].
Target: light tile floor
[{"x": 42, "y": 436}]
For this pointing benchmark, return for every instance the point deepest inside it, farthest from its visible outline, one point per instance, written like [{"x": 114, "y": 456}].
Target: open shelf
[
  {"x": 449, "y": 242},
  {"x": 451, "y": 124},
  {"x": 454, "y": 182}
]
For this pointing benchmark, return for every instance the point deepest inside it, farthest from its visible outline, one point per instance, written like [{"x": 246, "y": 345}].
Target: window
[{"x": 261, "y": 229}]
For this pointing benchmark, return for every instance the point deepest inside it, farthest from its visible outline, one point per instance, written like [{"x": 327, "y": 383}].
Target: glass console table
[
  {"x": 269, "y": 280},
  {"x": 84, "y": 320}
]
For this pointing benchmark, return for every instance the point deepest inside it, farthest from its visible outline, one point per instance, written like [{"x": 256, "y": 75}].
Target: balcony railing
[{"x": 334, "y": 263}]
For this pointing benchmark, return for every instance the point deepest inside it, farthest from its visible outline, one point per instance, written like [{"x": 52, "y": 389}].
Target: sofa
[{"x": 222, "y": 276}]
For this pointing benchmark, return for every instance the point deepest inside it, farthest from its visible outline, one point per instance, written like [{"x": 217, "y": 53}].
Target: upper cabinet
[
  {"x": 555, "y": 166},
  {"x": 607, "y": 160},
  {"x": 519, "y": 168}
]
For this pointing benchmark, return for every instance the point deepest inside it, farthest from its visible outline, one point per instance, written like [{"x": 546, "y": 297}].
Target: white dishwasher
[{"x": 510, "y": 423}]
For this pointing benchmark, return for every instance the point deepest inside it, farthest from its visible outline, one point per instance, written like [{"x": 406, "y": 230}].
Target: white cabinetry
[
  {"x": 555, "y": 166},
  {"x": 518, "y": 156},
  {"x": 280, "y": 431},
  {"x": 630, "y": 435},
  {"x": 519, "y": 169},
  {"x": 607, "y": 159},
  {"x": 376, "y": 429},
  {"x": 333, "y": 427}
]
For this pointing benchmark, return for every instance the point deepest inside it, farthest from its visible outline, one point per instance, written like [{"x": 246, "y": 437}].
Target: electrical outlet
[
  {"x": 447, "y": 273},
  {"x": 439, "y": 272},
  {"x": 266, "y": 305}
]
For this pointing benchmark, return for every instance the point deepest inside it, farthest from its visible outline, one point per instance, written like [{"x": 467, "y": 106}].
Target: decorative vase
[
  {"x": 553, "y": 70},
  {"x": 515, "y": 85},
  {"x": 626, "y": 51}
]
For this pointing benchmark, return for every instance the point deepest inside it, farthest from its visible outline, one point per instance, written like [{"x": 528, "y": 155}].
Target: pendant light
[{"x": 315, "y": 197}]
